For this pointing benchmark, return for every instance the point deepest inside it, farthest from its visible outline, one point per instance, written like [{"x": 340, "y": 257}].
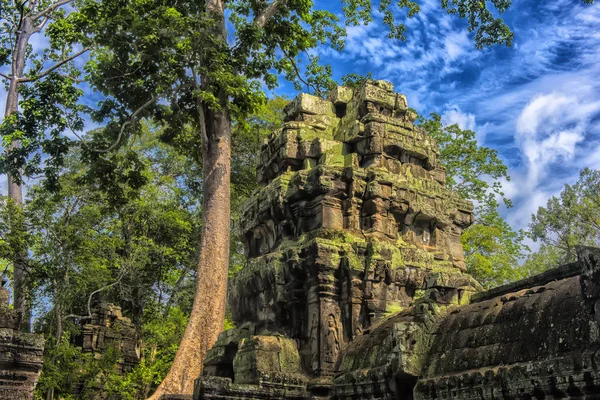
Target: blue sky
[{"x": 537, "y": 103}]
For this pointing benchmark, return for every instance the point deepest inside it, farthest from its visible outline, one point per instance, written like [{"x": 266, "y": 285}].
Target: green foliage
[
  {"x": 354, "y": 80},
  {"x": 67, "y": 371},
  {"x": 63, "y": 368},
  {"x": 83, "y": 241},
  {"x": 49, "y": 105},
  {"x": 248, "y": 136},
  {"x": 138, "y": 253},
  {"x": 473, "y": 171},
  {"x": 492, "y": 249},
  {"x": 570, "y": 219},
  {"x": 161, "y": 335},
  {"x": 547, "y": 257},
  {"x": 488, "y": 29},
  {"x": 48, "y": 108},
  {"x": 179, "y": 59},
  {"x": 11, "y": 240}
]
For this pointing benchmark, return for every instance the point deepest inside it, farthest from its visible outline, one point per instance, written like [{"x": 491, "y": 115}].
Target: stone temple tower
[
  {"x": 353, "y": 223},
  {"x": 355, "y": 285}
]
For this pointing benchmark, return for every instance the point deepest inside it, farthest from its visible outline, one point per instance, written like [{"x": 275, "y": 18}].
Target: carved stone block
[{"x": 356, "y": 273}]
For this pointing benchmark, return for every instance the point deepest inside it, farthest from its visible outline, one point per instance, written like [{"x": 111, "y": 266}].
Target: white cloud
[
  {"x": 453, "y": 115},
  {"x": 434, "y": 43},
  {"x": 549, "y": 129}
]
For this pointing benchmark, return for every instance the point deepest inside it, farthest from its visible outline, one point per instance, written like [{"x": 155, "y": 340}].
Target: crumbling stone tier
[
  {"x": 108, "y": 328},
  {"x": 21, "y": 355},
  {"x": 355, "y": 284}
]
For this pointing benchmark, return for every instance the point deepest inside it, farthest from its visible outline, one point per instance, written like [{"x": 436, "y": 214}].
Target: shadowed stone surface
[
  {"x": 109, "y": 328},
  {"x": 355, "y": 284},
  {"x": 21, "y": 355},
  {"x": 537, "y": 342}
]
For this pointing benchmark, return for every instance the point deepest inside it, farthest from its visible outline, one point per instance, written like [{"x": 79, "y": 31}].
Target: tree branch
[
  {"x": 89, "y": 302},
  {"x": 264, "y": 17},
  {"x": 4, "y": 76},
  {"x": 297, "y": 70},
  {"x": 129, "y": 122},
  {"x": 51, "y": 8},
  {"x": 40, "y": 26},
  {"x": 55, "y": 66}
]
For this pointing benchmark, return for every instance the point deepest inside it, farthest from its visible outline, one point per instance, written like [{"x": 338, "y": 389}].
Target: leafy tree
[
  {"x": 568, "y": 220},
  {"x": 248, "y": 136},
  {"x": 124, "y": 242},
  {"x": 354, "y": 80},
  {"x": 46, "y": 83},
  {"x": 68, "y": 370},
  {"x": 161, "y": 340},
  {"x": 83, "y": 242},
  {"x": 63, "y": 372},
  {"x": 492, "y": 249},
  {"x": 178, "y": 62},
  {"x": 547, "y": 257}
]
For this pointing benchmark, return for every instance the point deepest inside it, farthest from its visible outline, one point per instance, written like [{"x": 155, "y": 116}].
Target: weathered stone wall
[
  {"x": 21, "y": 355},
  {"x": 109, "y": 328},
  {"x": 355, "y": 285},
  {"x": 353, "y": 224},
  {"x": 539, "y": 341}
]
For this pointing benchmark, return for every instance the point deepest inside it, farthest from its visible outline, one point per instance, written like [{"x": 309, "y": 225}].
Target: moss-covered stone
[{"x": 355, "y": 284}]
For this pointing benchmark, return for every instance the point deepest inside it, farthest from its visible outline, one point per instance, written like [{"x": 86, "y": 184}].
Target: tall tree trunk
[
  {"x": 208, "y": 310},
  {"x": 15, "y": 192}
]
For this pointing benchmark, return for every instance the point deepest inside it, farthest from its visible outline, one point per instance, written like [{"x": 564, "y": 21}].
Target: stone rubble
[{"x": 109, "y": 328}]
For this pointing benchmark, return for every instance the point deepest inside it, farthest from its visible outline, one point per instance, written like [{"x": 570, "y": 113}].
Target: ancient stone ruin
[
  {"x": 109, "y": 328},
  {"x": 21, "y": 355},
  {"x": 355, "y": 284}
]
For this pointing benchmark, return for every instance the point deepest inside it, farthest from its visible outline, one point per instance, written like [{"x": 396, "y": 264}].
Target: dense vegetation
[{"x": 139, "y": 211}]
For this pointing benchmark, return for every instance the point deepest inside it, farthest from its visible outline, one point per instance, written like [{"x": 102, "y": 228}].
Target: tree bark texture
[
  {"x": 208, "y": 310},
  {"x": 15, "y": 192}
]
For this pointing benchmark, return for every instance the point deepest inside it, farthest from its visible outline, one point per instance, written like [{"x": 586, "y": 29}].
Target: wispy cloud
[{"x": 537, "y": 103}]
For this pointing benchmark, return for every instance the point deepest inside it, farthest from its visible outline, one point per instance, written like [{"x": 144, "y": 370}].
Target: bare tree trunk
[
  {"x": 15, "y": 192},
  {"x": 208, "y": 311}
]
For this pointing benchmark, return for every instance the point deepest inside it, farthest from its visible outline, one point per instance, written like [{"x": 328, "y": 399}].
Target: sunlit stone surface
[{"x": 355, "y": 284}]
